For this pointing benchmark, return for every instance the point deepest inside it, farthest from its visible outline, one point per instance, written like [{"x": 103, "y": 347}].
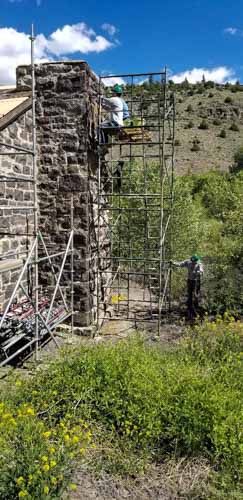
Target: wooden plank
[{"x": 15, "y": 113}]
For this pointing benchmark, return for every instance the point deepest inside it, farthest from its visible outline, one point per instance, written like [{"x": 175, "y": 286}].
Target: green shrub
[
  {"x": 234, "y": 127},
  {"x": 195, "y": 147},
  {"x": 237, "y": 166},
  {"x": 222, "y": 134},
  {"x": 146, "y": 401},
  {"x": 228, "y": 100},
  {"x": 216, "y": 122},
  {"x": 35, "y": 454},
  {"x": 189, "y": 108},
  {"x": 189, "y": 125},
  {"x": 203, "y": 125}
]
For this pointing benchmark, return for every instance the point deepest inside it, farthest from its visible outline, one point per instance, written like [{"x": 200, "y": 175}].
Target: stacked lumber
[{"x": 135, "y": 134}]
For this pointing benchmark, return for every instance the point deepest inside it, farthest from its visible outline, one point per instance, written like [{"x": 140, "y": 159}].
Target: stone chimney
[{"x": 66, "y": 118}]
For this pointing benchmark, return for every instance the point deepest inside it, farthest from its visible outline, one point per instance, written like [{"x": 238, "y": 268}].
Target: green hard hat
[
  {"x": 195, "y": 258},
  {"x": 118, "y": 89}
]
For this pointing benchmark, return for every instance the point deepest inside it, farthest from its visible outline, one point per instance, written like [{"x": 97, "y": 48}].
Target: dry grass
[{"x": 172, "y": 480}]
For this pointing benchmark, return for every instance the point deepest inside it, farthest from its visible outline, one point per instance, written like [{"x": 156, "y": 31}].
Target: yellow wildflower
[
  {"x": 71, "y": 455},
  {"x": 34, "y": 393},
  {"x": 75, "y": 439},
  {"x": 44, "y": 458},
  {"x": 53, "y": 480},
  {"x": 18, "y": 383},
  {"x": 30, "y": 411},
  {"x": 46, "y": 490},
  {"x": 67, "y": 437},
  {"x": 54, "y": 393},
  {"x": 46, "y": 467},
  {"x": 23, "y": 494},
  {"x": 20, "y": 480},
  {"x": 52, "y": 450},
  {"x": 6, "y": 416},
  {"x": 82, "y": 451},
  {"x": 53, "y": 463},
  {"x": 73, "y": 487},
  {"x": 46, "y": 434}
]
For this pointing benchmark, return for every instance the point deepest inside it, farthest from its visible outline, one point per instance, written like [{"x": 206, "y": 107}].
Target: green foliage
[
  {"x": 234, "y": 127},
  {"x": 222, "y": 134},
  {"x": 203, "y": 125},
  {"x": 216, "y": 122},
  {"x": 148, "y": 402},
  {"x": 238, "y": 157},
  {"x": 190, "y": 124},
  {"x": 195, "y": 146},
  {"x": 228, "y": 100},
  {"x": 189, "y": 108},
  {"x": 36, "y": 451},
  {"x": 208, "y": 220}
]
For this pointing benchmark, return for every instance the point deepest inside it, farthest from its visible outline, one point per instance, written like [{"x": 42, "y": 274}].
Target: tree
[
  {"x": 238, "y": 157},
  {"x": 151, "y": 79},
  {"x": 185, "y": 84}
]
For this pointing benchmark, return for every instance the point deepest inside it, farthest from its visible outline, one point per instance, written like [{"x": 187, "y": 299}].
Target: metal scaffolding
[
  {"x": 30, "y": 316},
  {"x": 136, "y": 173}
]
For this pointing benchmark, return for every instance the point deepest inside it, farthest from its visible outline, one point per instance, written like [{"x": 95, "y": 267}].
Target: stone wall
[
  {"x": 67, "y": 115},
  {"x": 15, "y": 194}
]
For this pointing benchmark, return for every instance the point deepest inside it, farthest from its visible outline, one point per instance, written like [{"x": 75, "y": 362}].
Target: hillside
[{"x": 220, "y": 108}]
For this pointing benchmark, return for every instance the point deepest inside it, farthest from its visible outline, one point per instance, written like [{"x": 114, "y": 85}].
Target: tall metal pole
[
  {"x": 98, "y": 260},
  {"x": 72, "y": 270},
  {"x": 162, "y": 173},
  {"x": 36, "y": 265}
]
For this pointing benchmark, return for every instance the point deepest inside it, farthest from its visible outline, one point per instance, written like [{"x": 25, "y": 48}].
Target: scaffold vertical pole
[
  {"x": 72, "y": 265},
  {"x": 34, "y": 163},
  {"x": 162, "y": 160}
]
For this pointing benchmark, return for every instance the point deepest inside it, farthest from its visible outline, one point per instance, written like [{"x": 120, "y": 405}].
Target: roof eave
[{"x": 14, "y": 114}]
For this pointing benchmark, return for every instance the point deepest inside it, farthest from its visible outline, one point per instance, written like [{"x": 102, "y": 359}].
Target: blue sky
[{"x": 189, "y": 36}]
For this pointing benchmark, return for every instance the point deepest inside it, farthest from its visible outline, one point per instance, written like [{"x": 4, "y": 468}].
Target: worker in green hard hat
[
  {"x": 195, "y": 272},
  {"x": 117, "y": 112}
]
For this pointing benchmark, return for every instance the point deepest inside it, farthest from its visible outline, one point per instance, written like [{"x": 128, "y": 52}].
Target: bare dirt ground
[{"x": 170, "y": 481}]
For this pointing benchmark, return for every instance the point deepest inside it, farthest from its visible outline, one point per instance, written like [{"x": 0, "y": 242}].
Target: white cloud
[
  {"x": 110, "y": 28},
  {"x": 231, "y": 31},
  {"x": 38, "y": 2},
  {"x": 109, "y": 82},
  {"x": 70, "y": 39},
  {"x": 75, "y": 38},
  {"x": 220, "y": 74}
]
